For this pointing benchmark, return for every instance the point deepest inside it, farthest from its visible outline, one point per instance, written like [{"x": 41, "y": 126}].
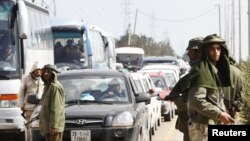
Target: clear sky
[{"x": 176, "y": 20}]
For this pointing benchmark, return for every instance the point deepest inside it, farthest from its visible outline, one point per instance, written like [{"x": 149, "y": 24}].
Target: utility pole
[
  {"x": 239, "y": 31},
  {"x": 219, "y": 19},
  {"x": 54, "y": 1},
  {"x": 129, "y": 34},
  {"x": 135, "y": 20},
  {"x": 248, "y": 29},
  {"x": 227, "y": 27},
  {"x": 233, "y": 30},
  {"x": 127, "y": 14}
]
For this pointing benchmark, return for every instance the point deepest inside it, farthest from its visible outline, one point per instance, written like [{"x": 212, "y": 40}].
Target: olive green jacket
[
  {"x": 202, "y": 110},
  {"x": 52, "y": 114},
  {"x": 205, "y": 95},
  {"x": 234, "y": 93}
]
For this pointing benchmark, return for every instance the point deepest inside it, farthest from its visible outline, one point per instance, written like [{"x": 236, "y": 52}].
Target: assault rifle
[
  {"x": 214, "y": 103},
  {"x": 31, "y": 120}
]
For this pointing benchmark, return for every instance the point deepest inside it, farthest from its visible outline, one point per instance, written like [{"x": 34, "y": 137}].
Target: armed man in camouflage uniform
[
  {"x": 205, "y": 96},
  {"x": 179, "y": 92}
]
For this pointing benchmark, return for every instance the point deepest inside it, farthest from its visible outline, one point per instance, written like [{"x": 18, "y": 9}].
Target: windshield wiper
[{"x": 75, "y": 102}]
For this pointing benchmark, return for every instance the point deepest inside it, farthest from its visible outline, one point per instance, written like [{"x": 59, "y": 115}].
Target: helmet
[
  {"x": 213, "y": 38},
  {"x": 194, "y": 43}
]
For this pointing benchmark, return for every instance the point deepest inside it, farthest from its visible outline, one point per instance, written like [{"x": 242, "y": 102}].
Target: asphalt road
[{"x": 167, "y": 132}]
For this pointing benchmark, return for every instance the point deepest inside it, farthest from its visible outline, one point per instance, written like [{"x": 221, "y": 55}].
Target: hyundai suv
[{"x": 92, "y": 117}]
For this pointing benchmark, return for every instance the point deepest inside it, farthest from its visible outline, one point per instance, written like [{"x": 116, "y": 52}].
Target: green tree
[
  {"x": 245, "y": 114},
  {"x": 150, "y": 46}
]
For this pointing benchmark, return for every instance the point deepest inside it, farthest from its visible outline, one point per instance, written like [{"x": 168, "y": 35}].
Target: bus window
[
  {"x": 130, "y": 57},
  {"x": 85, "y": 46}
]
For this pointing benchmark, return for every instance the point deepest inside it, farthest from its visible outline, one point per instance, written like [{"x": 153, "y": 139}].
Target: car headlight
[
  {"x": 123, "y": 119},
  {"x": 34, "y": 117}
]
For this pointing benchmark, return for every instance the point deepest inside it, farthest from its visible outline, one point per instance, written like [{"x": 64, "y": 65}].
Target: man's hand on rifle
[
  {"x": 225, "y": 118},
  {"x": 231, "y": 111}
]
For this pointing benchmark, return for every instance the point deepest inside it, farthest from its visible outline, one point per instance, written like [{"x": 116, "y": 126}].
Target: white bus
[
  {"x": 94, "y": 47},
  {"x": 25, "y": 37},
  {"x": 130, "y": 56}
]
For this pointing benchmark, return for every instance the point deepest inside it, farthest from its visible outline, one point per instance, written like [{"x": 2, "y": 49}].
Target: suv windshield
[{"x": 95, "y": 89}]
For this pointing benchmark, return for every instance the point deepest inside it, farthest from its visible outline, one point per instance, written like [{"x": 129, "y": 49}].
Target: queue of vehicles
[
  {"x": 27, "y": 28},
  {"x": 113, "y": 118},
  {"x": 134, "y": 115}
]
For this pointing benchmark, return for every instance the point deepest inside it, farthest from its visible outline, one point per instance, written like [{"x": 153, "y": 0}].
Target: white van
[{"x": 145, "y": 84}]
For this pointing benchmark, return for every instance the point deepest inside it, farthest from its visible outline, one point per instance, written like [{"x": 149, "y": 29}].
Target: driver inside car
[{"x": 114, "y": 91}]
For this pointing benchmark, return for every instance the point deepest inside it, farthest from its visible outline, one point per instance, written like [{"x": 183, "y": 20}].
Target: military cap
[
  {"x": 50, "y": 67},
  {"x": 194, "y": 43},
  {"x": 213, "y": 38}
]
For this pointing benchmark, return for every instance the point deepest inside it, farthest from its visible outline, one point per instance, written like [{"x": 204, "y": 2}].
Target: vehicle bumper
[
  {"x": 11, "y": 120},
  {"x": 97, "y": 134}
]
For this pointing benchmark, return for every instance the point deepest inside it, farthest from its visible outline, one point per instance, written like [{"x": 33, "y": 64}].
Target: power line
[
  {"x": 177, "y": 20},
  {"x": 126, "y": 14}
]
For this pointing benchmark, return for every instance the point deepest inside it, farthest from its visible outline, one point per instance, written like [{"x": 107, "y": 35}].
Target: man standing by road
[
  {"x": 31, "y": 85},
  {"x": 179, "y": 93},
  {"x": 52, "y": 114},
  {"x": 205, "y": 96}
]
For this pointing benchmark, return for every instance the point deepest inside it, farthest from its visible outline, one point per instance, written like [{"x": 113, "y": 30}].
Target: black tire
[
  {"x": 159, "y": 122},
  {"x": 152, "y": 130},
  {"x": 173, "y": 112},
  {"x": 150, "y": 135},
  {"x": 168, "y": 116}
]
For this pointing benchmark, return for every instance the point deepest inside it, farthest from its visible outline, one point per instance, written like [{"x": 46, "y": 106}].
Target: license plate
[{"x": 80, "y": 135}]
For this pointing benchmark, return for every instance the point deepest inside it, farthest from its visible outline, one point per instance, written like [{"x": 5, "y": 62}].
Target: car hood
[{"x": 97, "y": 111}]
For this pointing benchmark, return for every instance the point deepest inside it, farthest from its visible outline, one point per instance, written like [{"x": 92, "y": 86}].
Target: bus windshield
[
  {"x": 130, "y": 56},
  {"x": 68, "y": 47},
  {"x": 79, "y": 46},
  {"x": 68, "y": 50},
  {"x": 130, "y": 59},
  {"x": 8, "y": 47}
]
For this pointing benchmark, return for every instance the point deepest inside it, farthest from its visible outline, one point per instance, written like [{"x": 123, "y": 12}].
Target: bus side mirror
[{"x": 23, "y": 19}]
